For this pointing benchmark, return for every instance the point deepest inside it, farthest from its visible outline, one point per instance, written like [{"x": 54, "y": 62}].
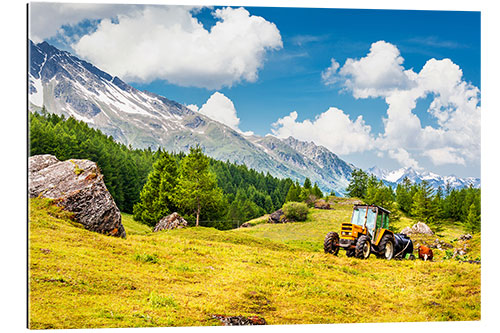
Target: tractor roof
[{"x": 375, "y": 206}]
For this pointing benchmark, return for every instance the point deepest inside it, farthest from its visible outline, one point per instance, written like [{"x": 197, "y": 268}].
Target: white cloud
[
  {"x": 403, "y": 157},
  {"x": 329, "y": 75},
  {"x": 446, "y": 155},
  {"x": 455, "y": 137},
  {"x": 46, "y": 19},
  {"x": 220, "y": 108},
  {"x": 169, "y": 43},
  {"x": 332, "y": 129},
  {"x": 193, "y": 107},
  {"x": 378, "y": 74}
]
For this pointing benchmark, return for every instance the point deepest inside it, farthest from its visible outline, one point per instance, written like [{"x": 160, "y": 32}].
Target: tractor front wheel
[
  {"x": 363, "y": 247},
  {"x": 331, "y": 243},
  {"x": 386, "y": 247}
]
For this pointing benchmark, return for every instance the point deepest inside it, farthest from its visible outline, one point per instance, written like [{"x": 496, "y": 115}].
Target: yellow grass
[{"x": 81, "y": 279}]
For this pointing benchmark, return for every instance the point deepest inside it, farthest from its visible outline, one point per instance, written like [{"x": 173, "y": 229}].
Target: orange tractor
[{"x": 368, "y": 232}]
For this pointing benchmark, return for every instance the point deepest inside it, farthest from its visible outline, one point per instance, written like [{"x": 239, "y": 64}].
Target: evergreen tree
[
  {"x": 404, "y": 197},
  {"x": 316, "y": 191},
  {"x": 423, "y": 208},
  {"x": 293, "y": 192},
  {"x": 473, "y": 220},
  {"x": 379, "y": 194},
  {"x": 358, "y": 184},
  {"x": 197, "y": 189},
  {"x": 307, "y": 184},
  {"x": 156, "y": 195}
]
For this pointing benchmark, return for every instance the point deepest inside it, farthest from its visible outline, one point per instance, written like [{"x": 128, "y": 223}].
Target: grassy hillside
[{"x": 81, "y": 279}]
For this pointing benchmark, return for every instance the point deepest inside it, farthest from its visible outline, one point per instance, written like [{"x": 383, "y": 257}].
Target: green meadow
[{"x": 82, "y": 279}]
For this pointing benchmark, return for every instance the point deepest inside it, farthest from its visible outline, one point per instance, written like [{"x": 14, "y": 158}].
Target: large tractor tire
[
  {"x": 386, "y": 247},
  {"x": 403, "y": 246},
  {"x": 329, "y": 246},
  {"x": 363, "y": 247}
]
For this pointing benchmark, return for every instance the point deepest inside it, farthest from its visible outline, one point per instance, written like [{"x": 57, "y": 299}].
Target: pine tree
[
  {"x": 197, "y": 191},
  {"x": 404, "y": 197},
  {"x": 156, "y": 195},
  {"x": 316, "y": 191},
  {"x": 379, "y": 194},
  {"x": 307, "y": 184},
  {"x": 358, "y": 184},
  {"x": 293, "y": 193},
  {"x": 423, "y": 208},
  {"x": 473, "y": 220}
]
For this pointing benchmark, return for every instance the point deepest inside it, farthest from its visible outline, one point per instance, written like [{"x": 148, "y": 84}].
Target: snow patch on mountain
[
  {"x": 36, "y": 96},
  {"x": 69, "y": 86},
  {"x": 394, "y": 177}
]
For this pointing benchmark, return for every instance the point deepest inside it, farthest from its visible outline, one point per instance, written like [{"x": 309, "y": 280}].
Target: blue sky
[{"x": 367, "y": 119}]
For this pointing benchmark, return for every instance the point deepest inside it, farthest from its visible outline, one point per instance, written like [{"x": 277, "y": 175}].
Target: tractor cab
[{"x": 372, "y": 218}]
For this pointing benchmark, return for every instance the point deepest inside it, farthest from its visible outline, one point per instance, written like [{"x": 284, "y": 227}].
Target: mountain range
[
  {"x": 67, "y": 85},
  {"x": 395, "y": 177}
]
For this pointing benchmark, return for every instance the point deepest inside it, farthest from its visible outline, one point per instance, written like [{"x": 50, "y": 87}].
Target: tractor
[{"x": 368, "y": 232}]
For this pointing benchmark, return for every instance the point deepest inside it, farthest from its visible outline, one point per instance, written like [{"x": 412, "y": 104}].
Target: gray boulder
[
  {"x": 277, "y": 217},
  {"x": 172, "y": 221},
  {"x": 78, "y": 187},
  {"x": 418, "y": 228},
  {"x": 465, "y": 237}
]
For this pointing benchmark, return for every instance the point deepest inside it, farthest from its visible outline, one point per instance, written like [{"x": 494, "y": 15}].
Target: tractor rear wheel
[
  {"x": 331, "y": 243},
  {"x": 363, "y": 247},
  {"x": 386, "y": 247}
]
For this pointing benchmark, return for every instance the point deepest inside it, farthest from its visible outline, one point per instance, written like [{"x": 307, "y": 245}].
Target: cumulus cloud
[
  {"x": 46, "y": 19},
  {"x": 193, "y": 107},
  {"x": 332, "y": 129},
  {"x": 220, "y": 108},
  {"x": 378, "y": 74},
  {"x": 168, "y": 43},
  {"x": 404, "y": 158},
  {"x": 446, "y": 155},
  {"x": 455, "y": 107}
]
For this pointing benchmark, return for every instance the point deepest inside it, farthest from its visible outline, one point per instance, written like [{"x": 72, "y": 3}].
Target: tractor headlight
[{"x": 345, "y": 233}]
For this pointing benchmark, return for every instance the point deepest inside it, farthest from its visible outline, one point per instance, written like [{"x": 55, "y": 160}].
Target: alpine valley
[{"x": 66, "y": 85}]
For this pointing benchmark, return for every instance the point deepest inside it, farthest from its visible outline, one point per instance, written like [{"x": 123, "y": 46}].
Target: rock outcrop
[
  {"x": 465, "y": 237},
  {"x": 322, "y": 204},
  {"x": 240, "y": 320},
  {"x": 418, "y": 228},
  {"x": 277, "y": 217},
  {"x": 172, "y": 221},
  {"x": 78, "y": 187},
  {"x": 439, "y": 244}
]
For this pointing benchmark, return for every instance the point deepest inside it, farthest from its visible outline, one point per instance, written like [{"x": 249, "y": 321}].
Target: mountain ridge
[
  {"x": 394, "y": 177},
  {"x": 67, "y": 85}
]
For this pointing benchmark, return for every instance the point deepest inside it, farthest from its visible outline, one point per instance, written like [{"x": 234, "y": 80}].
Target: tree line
[
  {"x": 306, "y": 193},
  {"x": 244, "y": 193},
  {"x": 125, "y": 170},
  {"x": 420, "y": 200}
]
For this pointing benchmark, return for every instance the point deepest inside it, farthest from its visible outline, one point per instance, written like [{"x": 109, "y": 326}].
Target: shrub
[{"x": 295, "y": 211}]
